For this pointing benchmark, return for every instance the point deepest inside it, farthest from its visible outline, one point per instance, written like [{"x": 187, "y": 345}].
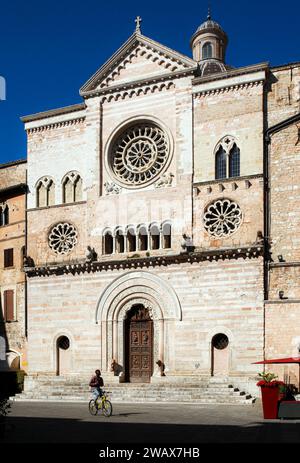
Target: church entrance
[{"x": 138, "y": 345}]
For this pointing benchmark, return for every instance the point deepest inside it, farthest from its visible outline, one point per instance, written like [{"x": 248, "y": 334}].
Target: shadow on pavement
[{"x": 61, "y": 430}]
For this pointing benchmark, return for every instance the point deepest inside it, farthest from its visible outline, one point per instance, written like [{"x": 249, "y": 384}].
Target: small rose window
[
  {"x": 63, "y": 238},
  {"x": 222, "y": 218}
]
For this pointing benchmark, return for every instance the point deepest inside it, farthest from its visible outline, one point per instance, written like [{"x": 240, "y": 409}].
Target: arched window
[
  {"x": 120, "y": 244},
  {"x": 4, "y": 215},
  {"x": 227, "y": 158},
  {"x": 166, "y": 236},
  {"x": 143, "y": 238},
  {"x": 207, "y": 50},
  {"x": 234, "y": 162},
  {"x": 72, "y": 188},
  {"x": 131, "y": 239},
  {"x": 108, "y": 242},
  {"x": 45, "y": 192},
  {"x": 155, "y": 237},
  {"x": 221, "y": 161}
]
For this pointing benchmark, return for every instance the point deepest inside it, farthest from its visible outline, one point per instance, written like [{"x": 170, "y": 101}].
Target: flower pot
[{"x": 270, "y": 397}]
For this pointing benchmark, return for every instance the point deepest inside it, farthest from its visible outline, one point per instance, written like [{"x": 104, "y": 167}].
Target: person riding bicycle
[{"x": 96, "y": 383}]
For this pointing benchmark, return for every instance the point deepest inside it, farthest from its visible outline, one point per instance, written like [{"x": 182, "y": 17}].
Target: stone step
[
  {"x": 202, "y": 401},
  {"x": 205, "y": 390},
  {"x": 193, "y": 397}
]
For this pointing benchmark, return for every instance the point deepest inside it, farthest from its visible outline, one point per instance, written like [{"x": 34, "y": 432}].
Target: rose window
[
  {"x": 139, "y": 154},
  {"x": 222, "y": 218},
  {"x": 63, "y": 238}
]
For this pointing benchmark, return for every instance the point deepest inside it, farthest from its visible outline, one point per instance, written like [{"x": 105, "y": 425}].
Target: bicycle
[{"x": 101, "y": 403}]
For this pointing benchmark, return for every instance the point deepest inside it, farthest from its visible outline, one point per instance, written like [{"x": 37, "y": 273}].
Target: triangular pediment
[{"x": 139, "y": 58}]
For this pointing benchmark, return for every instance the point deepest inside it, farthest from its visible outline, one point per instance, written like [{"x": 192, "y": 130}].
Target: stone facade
[
  {"x": 12, "y": 277},
  {"x": 282, "y": 308},
  {"x": 210, "y": 278}
]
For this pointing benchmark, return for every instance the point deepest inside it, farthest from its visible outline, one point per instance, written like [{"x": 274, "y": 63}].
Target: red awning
[{"x": 286, "y": 360}]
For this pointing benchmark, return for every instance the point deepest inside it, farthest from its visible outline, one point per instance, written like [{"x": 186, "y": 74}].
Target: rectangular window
[
  {"x": 8, "y": 305},
  {"x": 8, "y": 258}
]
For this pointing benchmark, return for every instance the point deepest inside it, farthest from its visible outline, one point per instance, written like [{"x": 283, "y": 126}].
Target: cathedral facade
[{"x": 149, "y": 215}]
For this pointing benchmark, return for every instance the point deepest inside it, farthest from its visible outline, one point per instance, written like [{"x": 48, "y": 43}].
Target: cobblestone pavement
[{"x": 39, "y": 422}]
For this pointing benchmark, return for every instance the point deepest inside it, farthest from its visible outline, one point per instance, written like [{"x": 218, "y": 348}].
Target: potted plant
[{"x": 270, "y": 390}]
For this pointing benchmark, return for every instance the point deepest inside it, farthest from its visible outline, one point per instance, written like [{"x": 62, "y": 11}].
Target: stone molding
[
  {"x": 54, "y": 112},
  {"x": 56, "y": 125},
  {"x": 137, "y": 287},
  {"x": 227, "y": 88},
  {"x": 78, "y": 267},
  {"x": 167, "y": 62},
  {"x": 131, "y": 92},
  {"x": 148, "y": 286},
  {"x": 136, "y": 41}
]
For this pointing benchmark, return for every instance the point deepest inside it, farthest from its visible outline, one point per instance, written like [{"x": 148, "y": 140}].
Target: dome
[
  {"x": 209, "y": 24},
  {"x": 209, "y": 42}
]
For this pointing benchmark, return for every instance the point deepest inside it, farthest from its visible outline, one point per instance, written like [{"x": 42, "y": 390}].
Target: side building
[{"x": 13, "y": 322}]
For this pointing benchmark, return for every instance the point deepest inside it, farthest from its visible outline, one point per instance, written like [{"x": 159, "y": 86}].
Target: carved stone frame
[{"x": 136, "y": 287}]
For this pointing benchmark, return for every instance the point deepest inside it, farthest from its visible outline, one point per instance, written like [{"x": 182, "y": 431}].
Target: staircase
[{"x": 202, "y": 391}]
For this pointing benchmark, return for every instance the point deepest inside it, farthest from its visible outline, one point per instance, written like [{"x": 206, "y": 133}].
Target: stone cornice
[
  {"x": 227, "y": 180},
  {"x": 55, "y": 206},
  {"x": 14, "y": 189},
  {"x": 55, "y": 125},
  {"x": 53, "y": 112},
  {"x": 227, "y": 88},
  {"x": 13, "y": 163},
  {"x": 198, "y": 256},
  {"x": 139, "y": 84},
  {"x": 134, "y": 91}
]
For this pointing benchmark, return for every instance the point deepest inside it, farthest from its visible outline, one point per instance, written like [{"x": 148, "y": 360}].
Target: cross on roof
[{"x": 138, "y": 21}]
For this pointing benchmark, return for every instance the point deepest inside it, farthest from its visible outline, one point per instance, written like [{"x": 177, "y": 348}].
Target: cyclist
[{"x": 97, "y": 383}]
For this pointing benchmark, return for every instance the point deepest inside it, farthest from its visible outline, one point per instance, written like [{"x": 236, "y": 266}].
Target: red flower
[{"x": 270, "y": 383}]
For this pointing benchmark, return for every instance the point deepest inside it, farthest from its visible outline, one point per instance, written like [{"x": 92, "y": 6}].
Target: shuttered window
[
  {"x": 8, "y": 258},
  {"x": 8, "y": 297}
]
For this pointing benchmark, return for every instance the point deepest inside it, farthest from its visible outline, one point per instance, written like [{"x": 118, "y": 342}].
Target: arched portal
[
  {"x": 137, "y": 288},
  {"x": 138, "y": 345},
  {"x": 220, "y": 355}
]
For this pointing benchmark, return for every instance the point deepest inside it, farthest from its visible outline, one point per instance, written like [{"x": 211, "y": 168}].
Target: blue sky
[{"x": 49, "y": 49}]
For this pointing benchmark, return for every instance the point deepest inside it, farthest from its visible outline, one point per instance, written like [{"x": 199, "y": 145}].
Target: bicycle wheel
[
  {"x": 93, "y": 407},
  {"x": 106, "y": 408}
]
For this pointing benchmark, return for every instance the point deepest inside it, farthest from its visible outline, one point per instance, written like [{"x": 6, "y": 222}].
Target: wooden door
[{"x": 139, "y": 345}]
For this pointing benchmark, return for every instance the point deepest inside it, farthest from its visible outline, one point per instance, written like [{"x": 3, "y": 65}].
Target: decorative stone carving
[
  {"x": 161, "y": 367},
  {"x": 63, "y": 238},
  {"x": 187, "y": 244},
  {"x": 46, "y": 182},
  {"x": 222, "y": 218},
  {"x": 146, "y": 287},
  {"x": 91, "y": 254},
  {"x": 165, "y": 180},
  {"x": 112, "y": 188},
  {"x": 28, "y": 261},
  {"x": 139, "y": 154}
]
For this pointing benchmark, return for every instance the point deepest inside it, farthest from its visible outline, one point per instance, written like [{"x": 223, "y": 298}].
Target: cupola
[{"x": 209, "y": 46}]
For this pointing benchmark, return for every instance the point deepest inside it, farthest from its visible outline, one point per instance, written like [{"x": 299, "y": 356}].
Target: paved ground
[{"x": 37, "y": 422}]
